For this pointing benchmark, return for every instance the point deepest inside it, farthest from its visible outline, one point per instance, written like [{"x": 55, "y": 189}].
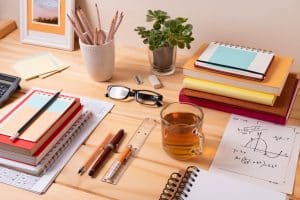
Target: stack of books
[
  {"x": 244, "y": 81},
  {"x": 32, "y": 151}
]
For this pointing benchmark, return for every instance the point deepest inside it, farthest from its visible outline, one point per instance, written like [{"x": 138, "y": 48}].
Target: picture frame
[{"x": 45, "y": 23}]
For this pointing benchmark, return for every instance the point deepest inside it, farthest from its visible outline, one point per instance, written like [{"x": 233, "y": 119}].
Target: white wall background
[{"x": 265, "y": 24}]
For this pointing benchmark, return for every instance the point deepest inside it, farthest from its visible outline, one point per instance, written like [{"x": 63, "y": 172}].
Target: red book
[
  {"x": 42, "y": 129},
  {"x": 239, "y": 109}
]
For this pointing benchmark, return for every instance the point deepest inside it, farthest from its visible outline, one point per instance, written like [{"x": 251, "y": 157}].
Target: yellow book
[
  {"x": 273, "y": 82},
  {"x": 229, "y": 91}
]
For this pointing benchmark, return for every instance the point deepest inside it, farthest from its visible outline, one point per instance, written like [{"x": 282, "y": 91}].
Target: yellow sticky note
[{"x": 37, "y": 65}]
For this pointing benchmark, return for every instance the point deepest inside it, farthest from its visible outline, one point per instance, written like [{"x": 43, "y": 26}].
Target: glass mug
[{"x": 181, "y": 126}]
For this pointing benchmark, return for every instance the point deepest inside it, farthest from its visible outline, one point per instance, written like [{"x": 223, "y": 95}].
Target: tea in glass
[{"x": 182, "y": 135}]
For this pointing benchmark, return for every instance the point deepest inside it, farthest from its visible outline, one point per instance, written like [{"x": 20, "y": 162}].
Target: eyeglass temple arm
[{"x": 151, "y": 97}]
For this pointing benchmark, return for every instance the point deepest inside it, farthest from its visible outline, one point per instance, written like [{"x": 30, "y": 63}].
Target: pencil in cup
[
  {"x": 99, "y": 59},
  {"x": 95, "y": 154}
]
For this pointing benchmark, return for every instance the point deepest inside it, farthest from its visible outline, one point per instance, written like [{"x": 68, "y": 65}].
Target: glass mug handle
[{"x": 201, "y": 140}]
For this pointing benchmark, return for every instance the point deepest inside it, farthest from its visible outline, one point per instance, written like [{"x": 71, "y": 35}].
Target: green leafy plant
[{"x": 165, "y": 31}]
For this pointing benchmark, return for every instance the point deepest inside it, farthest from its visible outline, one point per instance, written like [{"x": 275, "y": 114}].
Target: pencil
[
  {"x": 76, "y": 29},
  {"x": 119, "y": 22},
  {"x": 77, "y": 21},
  {"x": 111, "y": 28},
  {"x": 98, "y": 17},
  {"x": 83, "y": 19},
  {"x": 96, "y": 37},
  {"x": 85, "y": 35},
  {"x": 99, "y": 36},
  {"x": 35, "y": 116},
  {"x": 98, "y": 150}
]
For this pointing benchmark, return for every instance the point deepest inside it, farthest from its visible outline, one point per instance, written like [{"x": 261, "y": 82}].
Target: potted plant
[{"x": 163, "y": 38}]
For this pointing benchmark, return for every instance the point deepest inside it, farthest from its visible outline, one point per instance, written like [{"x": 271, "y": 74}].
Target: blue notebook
[{"x": 236, "y": 60}]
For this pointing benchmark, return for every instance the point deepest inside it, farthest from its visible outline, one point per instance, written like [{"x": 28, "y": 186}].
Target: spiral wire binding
[
  {"x": 186, "y": 183},
  {"x": 171, "y": 187},
  {"x": 243, "y": 47},
  {"x": 66, "y": 139}
]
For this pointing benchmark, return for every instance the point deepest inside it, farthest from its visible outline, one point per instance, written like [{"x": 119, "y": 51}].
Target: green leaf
[
  {"x": 189, "y": 27},
  {"x": 173, "y": 42},
  {"x": 156, "y": 25},
  {"x": 181, "y": 45},
  {"x": 145, "y": 41}
]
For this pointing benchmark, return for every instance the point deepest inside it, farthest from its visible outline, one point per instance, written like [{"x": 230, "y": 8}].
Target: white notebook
[
  {"x": 198, "y": 184},
  {"x": 234, "y": 59}
]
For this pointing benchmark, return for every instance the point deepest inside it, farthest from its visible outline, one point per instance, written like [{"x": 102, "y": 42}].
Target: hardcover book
[
  {"x": 272, "y": 83},
  {"x": 277, "y": 113}
]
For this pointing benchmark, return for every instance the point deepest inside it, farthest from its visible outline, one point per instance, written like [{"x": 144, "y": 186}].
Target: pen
[
  {"x": 34, "y": 117},
  {"x": 108, "y": 149},
  {"x": 119, "y": 162},
  {"x": 98, "y": 150}
]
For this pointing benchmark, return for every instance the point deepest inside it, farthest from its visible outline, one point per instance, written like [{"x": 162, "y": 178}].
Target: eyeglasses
[{"x": 146, "y": 97}]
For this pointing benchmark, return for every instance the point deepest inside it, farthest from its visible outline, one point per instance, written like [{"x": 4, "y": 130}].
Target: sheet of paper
[
  {"x": 259, "y": 151},
  {"x": 37, "y": 65}
]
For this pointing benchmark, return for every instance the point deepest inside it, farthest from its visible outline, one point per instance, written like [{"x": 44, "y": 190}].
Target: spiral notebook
[
  {"x": 61, "y": 153},
  {"x": 235, "y": 60},
  {"x": 197, "y": 184}
]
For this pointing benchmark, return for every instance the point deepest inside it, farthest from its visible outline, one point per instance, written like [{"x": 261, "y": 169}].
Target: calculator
[{"x": 8, "y": 85}]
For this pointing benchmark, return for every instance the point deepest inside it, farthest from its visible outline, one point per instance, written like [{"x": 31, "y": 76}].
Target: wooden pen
[
  {"x": 98, "y": 150},
  {"x": 108, "y": 149}
]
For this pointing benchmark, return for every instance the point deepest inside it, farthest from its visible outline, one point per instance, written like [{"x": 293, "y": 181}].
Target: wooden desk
[{"x": 146, "y": 177}]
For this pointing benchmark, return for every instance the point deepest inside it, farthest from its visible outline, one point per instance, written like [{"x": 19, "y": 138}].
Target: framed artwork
[{"x": 45, "y": 23}]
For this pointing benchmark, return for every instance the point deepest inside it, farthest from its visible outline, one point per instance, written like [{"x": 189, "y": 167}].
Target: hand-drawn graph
[
  {"x": 256, "y": 149},
  {"x": 258, "y": 144}
]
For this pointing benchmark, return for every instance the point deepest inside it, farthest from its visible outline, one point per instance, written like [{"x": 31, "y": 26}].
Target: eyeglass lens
[
  {"x": 146, "y": 97},
  {"x": 118, "y": 92}
]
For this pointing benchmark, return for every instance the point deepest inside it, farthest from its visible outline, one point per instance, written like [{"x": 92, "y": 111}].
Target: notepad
[
  {"x": 20, "y": 114},
  {"x": 237, "y": 60},
  {"x": 199, "y": 184}
]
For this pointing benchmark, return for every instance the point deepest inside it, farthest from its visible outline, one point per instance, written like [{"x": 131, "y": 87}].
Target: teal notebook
[{"x": 236, "y": 60}]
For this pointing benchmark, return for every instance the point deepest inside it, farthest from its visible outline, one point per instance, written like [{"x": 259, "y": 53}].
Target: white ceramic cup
[{"x": 99, "y": 59}]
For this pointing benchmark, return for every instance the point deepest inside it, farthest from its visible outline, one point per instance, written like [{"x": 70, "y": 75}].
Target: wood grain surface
[{"x": 147, "y": 175}]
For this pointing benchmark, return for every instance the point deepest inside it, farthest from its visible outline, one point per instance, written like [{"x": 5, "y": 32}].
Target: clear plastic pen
[{"x": 119, "y": 162}]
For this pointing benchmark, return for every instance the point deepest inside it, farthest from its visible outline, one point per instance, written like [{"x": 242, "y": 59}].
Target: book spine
[
  {"x": 232, "y": 109},
  {"x": 229, "y": 91}
]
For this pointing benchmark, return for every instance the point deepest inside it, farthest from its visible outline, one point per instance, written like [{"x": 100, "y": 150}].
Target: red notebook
[
  {"x": 42, "y": 128},
  {"x": 278, "y": 118}
]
